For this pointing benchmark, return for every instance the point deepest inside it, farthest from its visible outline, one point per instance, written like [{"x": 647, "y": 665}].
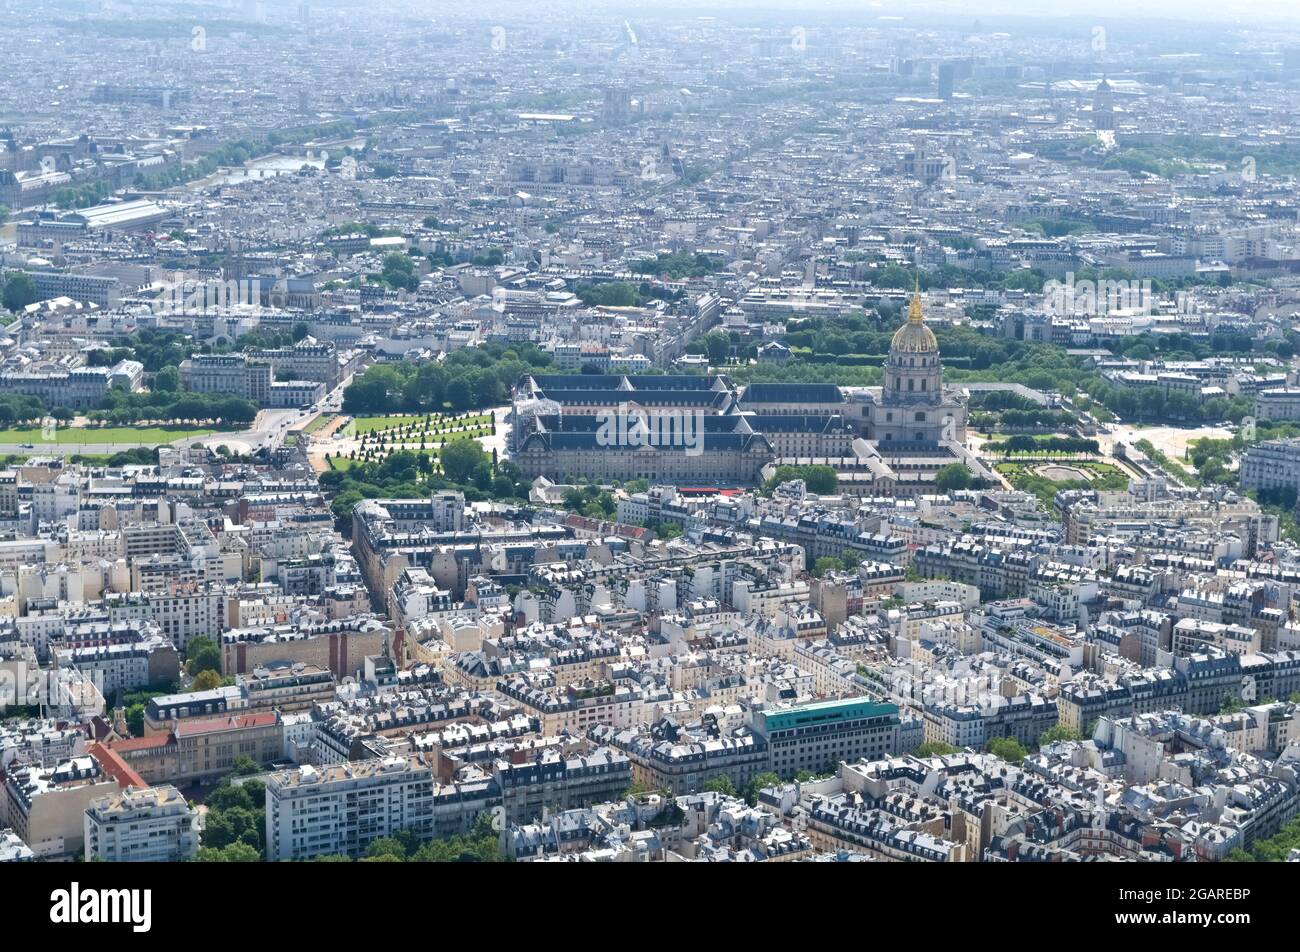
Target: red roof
[
  {"x": 142, "y": 743},
  {"x": 229, "y": 723},
  {"x": 115, "y": 766}
]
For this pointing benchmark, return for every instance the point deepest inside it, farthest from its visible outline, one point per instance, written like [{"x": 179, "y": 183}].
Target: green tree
[
  {"x": 167, "y": 380},
  {"x": 608, "y": 294},
  {"x": 934, "y": 748},
  {"x": 245, "y": 766},
  {"x": 1057, "y": 733},
  {"x": 760, "y": 782},
  {"x": 237, "y": 824},
  {"x": 227, "y": 796},
  {"x": 386, "y": 847},
  {"x": 460, "y": 394},
  {"x": 819, "y": 479},
  {"x": 1008, "y": 748},
  {"x": 720, "y": 784},
  {"x": 951, "y": 477},
  {"x": 237, "y": 852},
  {"x": 202, "y": 654},
  {"x": 461, "y": 459},
  {"x": 718, "y": 347},
  {"x": 826, "y": 564},
  {"x": 206, "y": 680},
  {"x": 135, "y": 719},
  {"x": 1231, "y": 704},
  {"x": 19, "y": 291}
]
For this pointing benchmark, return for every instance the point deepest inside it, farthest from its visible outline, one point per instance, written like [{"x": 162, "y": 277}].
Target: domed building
[
  {"x": 1103, "y": 106},
  {"x": 913, "y": 407}
]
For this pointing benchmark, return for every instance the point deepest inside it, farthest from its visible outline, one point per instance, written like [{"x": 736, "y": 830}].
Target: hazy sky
[{"x": 1240, "y": 10}]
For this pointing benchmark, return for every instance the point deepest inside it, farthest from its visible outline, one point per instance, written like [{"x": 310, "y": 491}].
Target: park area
[
  {"x": 373, "y": 438},
  {"x": 1046, "y": 479},
  {"x": 106, "y": 435},
  {"x": 431, "y": 427},
  {"x": 1090, "y": 471}
]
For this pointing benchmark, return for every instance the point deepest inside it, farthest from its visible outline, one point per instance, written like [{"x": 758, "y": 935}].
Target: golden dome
[{"x": 914, "y": 337}]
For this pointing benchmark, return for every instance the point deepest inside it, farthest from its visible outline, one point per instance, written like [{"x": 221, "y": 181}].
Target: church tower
[
  {"x": 913, "y": 373},
  {"x": 913, "y": 408}
]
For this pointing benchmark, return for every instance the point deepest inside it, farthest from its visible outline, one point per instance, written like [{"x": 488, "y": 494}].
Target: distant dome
[{"x": 914, "y": 337}]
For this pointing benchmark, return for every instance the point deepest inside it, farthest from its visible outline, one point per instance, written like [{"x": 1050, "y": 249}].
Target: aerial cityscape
[{"x": 573, "y": 433}]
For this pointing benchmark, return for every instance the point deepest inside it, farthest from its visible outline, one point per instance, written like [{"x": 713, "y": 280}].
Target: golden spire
[{"x": 914, "y": 315}]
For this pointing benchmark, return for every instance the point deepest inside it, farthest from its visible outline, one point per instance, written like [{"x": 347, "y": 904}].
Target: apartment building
[
  {"x": 81, "y": 388},
  {"x": 231, "y": 374},
  {"x": 182, "y": 613},
  {"x": 126, "y": 666},
  {"x": 552, "y": 783},
  {"x": 44, "y": 805},
  {"x": 1271, "y": 465},
  {"x": 152, "y": 825},
  {"x": 815, "y": 736},
  {"x": 92, "y": 289},
  {"x": 342, "y": 808}
]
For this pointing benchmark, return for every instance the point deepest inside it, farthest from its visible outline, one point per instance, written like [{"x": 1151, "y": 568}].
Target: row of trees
[
  {"x": 863, "y": 334},
  {"x": 468, "y": 379},
  {"x": 1156, "y": 403},
  {"x": 17, "y": 407},
  {"x": 1023, "y": 419},
  {"x": 1049, "y": 445},
  {"x": 122, "y": 407},
  {"x": 482, "y": 844}
]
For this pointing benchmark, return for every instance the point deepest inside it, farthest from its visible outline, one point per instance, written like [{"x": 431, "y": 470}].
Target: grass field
[
  {"x": 319, "y": 421},
  {"x": 368, "y": 424},
  {"x": 1096, "y": 468},
  {"x": 143, "y": 435},
  {"x": 371, "y": 424},
  {"x": 430, "y": 439}
]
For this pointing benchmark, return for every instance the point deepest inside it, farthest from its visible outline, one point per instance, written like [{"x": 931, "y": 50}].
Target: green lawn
[
  {"x": 369, "y": 424},
  {"x": 319, "y": 421},
  {"x": 1022, "y": 468},
  {"x": 142, "y": 435},
  {"x": 431, "y": 438}
]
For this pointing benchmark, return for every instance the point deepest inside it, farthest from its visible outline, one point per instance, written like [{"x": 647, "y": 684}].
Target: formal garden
[
  {"x": 413, "y": 429},
  {"x": 380, "y": 436}
]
